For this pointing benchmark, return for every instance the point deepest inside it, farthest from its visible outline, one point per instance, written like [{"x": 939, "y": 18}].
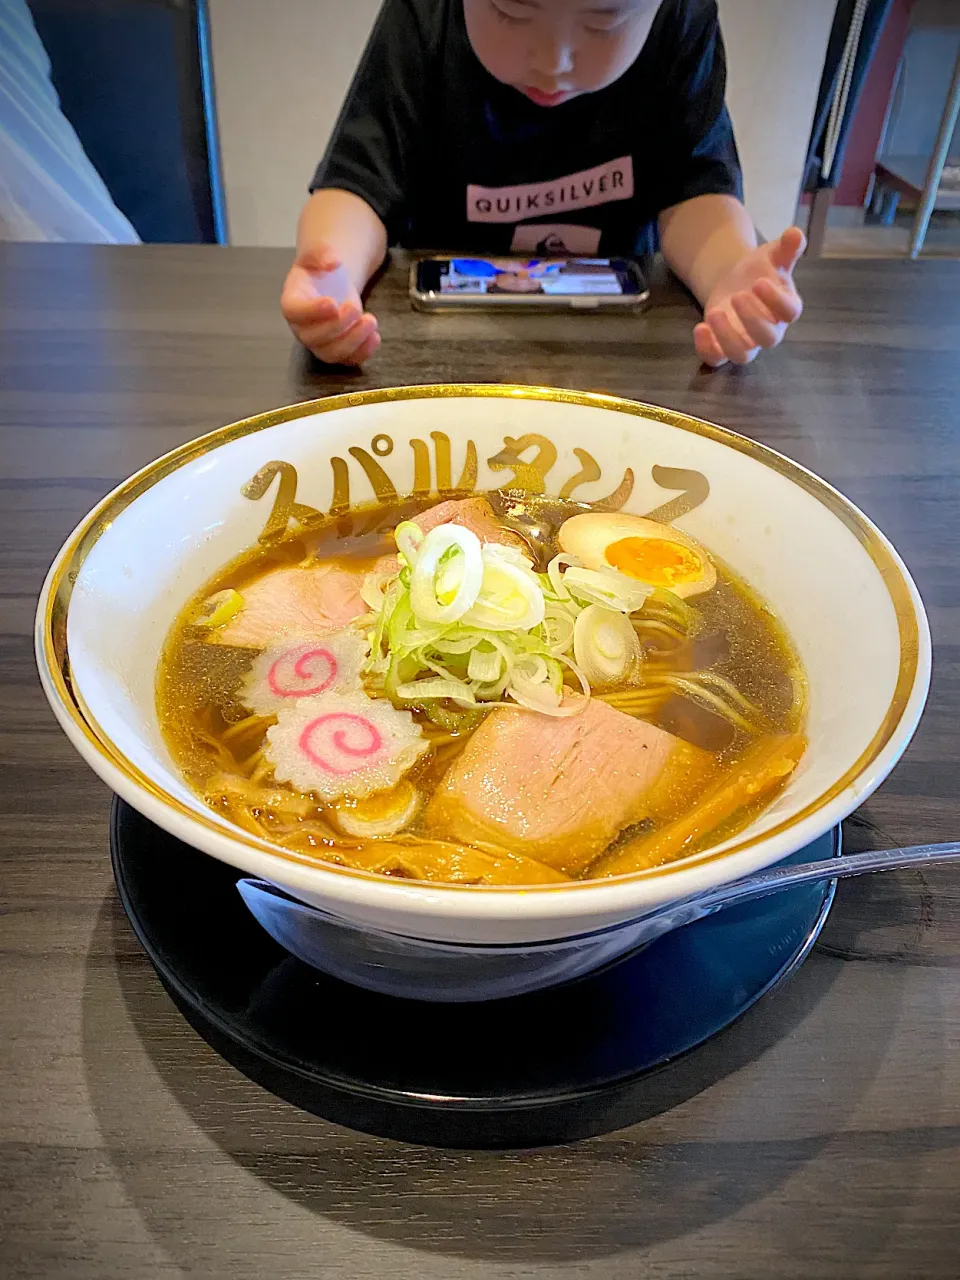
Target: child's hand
[
  {"x": 323, "y": 308},
  {"x": 753, "y": 304}
]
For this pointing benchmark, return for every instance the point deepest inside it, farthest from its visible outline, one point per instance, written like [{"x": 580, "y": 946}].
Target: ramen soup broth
[{"x": 686, "y": 748}]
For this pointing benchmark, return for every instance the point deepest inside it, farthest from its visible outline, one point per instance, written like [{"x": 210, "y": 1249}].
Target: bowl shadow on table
[{"x": 596, "y": 1198}]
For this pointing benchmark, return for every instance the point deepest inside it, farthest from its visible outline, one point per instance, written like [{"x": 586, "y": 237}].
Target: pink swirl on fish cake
[
  {"x": 358, "y": 756},
  {"x": 303, "y": 681},
  {"x": 342, "y": 743},
  {"x": 305, "y": 667}
]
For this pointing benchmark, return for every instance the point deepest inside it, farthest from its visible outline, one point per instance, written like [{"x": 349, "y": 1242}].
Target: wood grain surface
[{"x": 819, "y": 1138}]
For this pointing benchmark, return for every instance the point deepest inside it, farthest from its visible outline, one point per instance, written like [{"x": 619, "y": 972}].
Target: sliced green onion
[
  {"x": 534, "y": 700},
  {"x": 447, "y": 576},
  {"x": 553, "y": 573},
  {"x": 404, "y": 634},
  {"x": 489, "y": 694},
  {"x": 391, "y": 598},
  {"x": 584, "y": 683},
  {"x": 664, "y": 604},
  {"x": 400, "y": 671},
  {"x": 510, "y": 598},
  {"x": 424, "y": 690},
  {"x": 512, "y": 555},
  {"x": 485, "y": 665},
  {"x": 454, "y": 719},
  {"x": 607, "y": 587},
  {"x": 605, "y": 646},
  {"x": 547, "y": 696},
  {"x": 373, "y": 587},
  {"x": 459, "y": 641},
  {"x": 534, "y": 696},
  {"x": 474, "y": 626},
  {"x": 409, "y": 539},
  {"x": 536, "y": 683},
  {"x": 558, "y": 625},
  {"x": 219, "y": 608},
  {"x": 532, "y": 669}
]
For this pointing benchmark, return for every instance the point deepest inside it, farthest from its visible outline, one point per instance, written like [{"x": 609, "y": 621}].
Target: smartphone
[{"x": 582, "y": 284}]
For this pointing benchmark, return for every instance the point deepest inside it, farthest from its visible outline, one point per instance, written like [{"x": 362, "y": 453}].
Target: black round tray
[{"x": 550, "y": 1067}]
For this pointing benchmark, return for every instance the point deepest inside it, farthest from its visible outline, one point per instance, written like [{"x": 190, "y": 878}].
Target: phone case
[{"x": 430, "y": 301}]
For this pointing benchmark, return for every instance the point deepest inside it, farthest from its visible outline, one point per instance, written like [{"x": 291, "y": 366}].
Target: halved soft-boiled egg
[
  {"x": 383, "y": 814},
  {"x": 642, "y": 549}
]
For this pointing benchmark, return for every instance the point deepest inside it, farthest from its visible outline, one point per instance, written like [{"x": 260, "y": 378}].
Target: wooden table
[{"x": 818, "y": 1138}]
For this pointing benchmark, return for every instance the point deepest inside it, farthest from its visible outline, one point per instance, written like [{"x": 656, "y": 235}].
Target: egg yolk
[
  {"x": 655, "y": 560},
  {"x": 384, "y": 804}
]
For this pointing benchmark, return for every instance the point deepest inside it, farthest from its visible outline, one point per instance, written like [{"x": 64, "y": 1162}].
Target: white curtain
[{"x": 49, "y": 190}]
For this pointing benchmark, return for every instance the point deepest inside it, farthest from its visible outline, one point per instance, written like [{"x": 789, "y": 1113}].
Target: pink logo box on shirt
[
  {"x": 555, "y": 238},
  {"x": 590, "y": 187}
]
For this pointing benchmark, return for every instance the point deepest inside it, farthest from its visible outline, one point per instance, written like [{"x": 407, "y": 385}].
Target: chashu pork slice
[
  {"x": 292, "y": 603},
  {"x": 561, "y": 789},
  {"x": 303, "y": 602},
  {"x": 474, "y": 514}
]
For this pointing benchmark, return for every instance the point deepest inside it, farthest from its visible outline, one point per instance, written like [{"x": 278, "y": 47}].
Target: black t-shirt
[{"x": 450, "y": 158}]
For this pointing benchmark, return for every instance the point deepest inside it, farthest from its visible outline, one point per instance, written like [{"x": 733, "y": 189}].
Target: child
[{"x": 504, "y": 126}]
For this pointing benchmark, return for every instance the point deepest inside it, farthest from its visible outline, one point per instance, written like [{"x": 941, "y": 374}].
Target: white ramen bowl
[{"x": 837, "y": 584}]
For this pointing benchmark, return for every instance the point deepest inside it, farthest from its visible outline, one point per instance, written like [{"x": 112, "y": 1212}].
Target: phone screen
[{"x": 558, "y": 277}]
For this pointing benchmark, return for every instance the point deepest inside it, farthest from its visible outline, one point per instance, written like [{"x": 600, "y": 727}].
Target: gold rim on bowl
[{"x": 52, "y": 618}]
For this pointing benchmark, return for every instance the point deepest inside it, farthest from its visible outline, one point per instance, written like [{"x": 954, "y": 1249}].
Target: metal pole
[
  {"x": 218, "y": 198},
  {"x": 937, "y": 161}
]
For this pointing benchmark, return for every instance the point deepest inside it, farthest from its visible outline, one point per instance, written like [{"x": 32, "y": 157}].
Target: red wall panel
[{"x": 868, "y": 122}]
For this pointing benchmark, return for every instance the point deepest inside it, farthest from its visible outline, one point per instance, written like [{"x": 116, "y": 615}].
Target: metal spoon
[
  {"x": 772, "y": 881},
  {"x": 419, "y": 969},
  {"x": 533, "y": 522}
]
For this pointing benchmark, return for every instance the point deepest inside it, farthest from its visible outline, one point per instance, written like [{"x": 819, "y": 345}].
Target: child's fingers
[
  {"x": 303, "y": 301},
  {"x": 707, "y": 346},
  {"x": 367, "y": 350},
  {"x": 734, "y": 343},
  {"x": 782, "y": 303},
  {"x": 333, "y": 347},
  {"x": 305, "y": 288},
  {"x": 754, "y": 318},
  {"x": 337, "y": 325},
  {"x": 308, "y": 311},
  {"x": 759, "y": 307},
  {"x": 365, "y": 347},
  {"x": 786, "y": 252},
  {"x": 344, "y": 348},
  {"x": 353, "y": 355},
  {"x": 316, "y": 336}
]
